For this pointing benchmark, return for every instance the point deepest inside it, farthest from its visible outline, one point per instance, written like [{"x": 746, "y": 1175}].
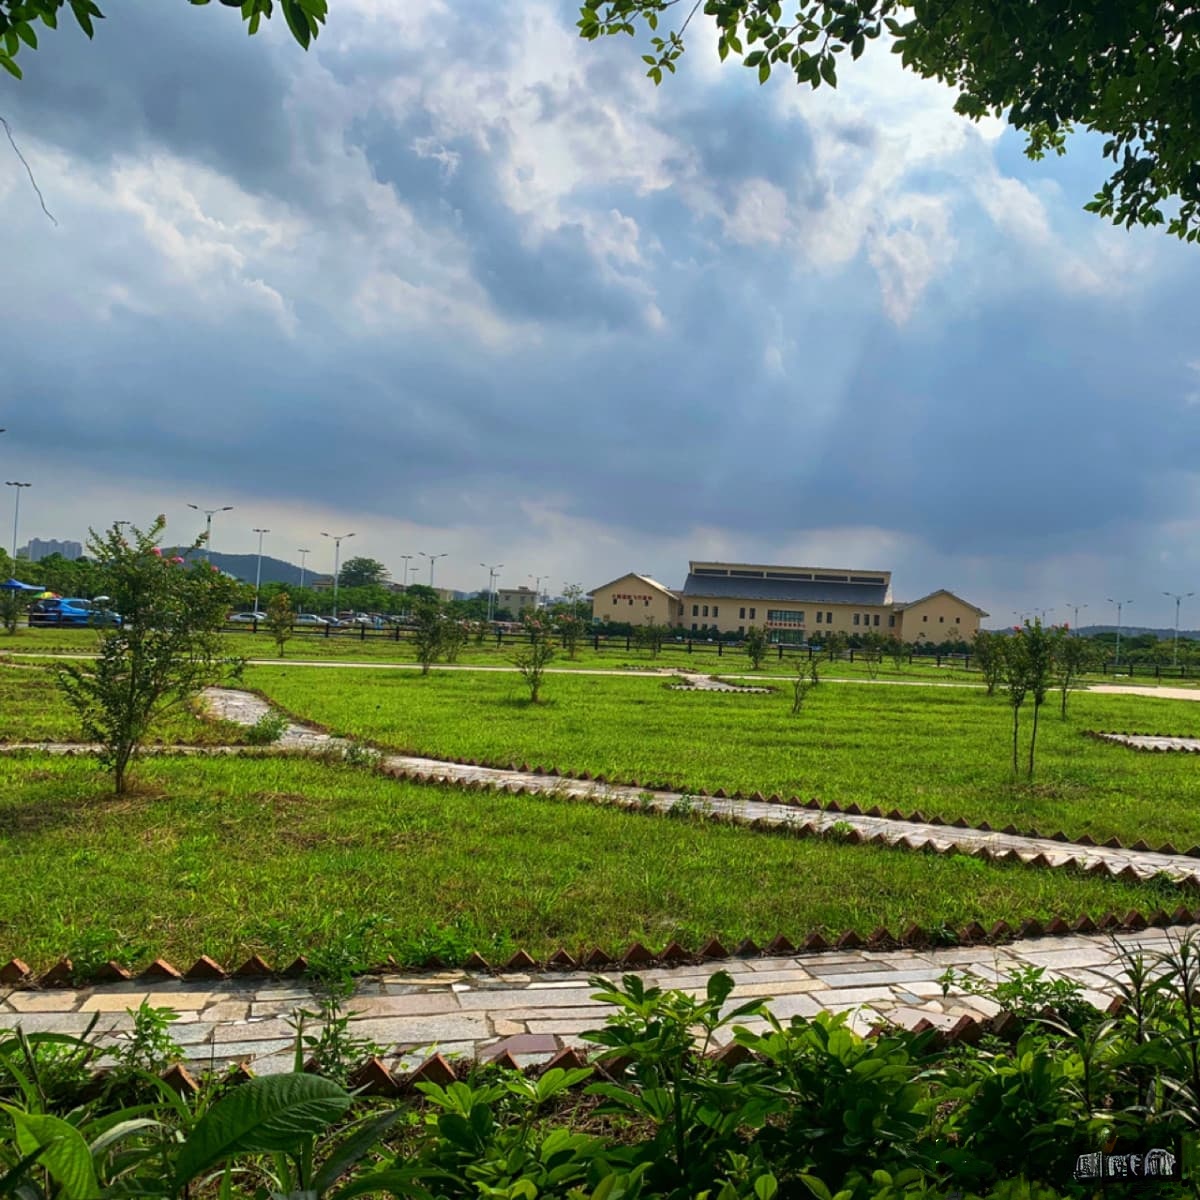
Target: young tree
[
  {"x": 835, "y": 646},
  {"x": 651, "y": 637},
  {"x": 1124, "y": 70},
  {"x": 1073, "y": 657},
  {"x": 872, "y": 652},
  {"x": 756, "y": 645},
  {"x": 280, "y": 619},
  {"x": 988, "y": 649},
  {"x": 166, "y": 648},
  {"x": 895, "y": 649},
  {"x": 570, "y": 630},
  {"x": 454, "y": 638},
  {"x": 802, "y": 683},
  {"x": 532, "y": 657},
  {"x": 1039, "y": 655},
  {"x": 1015, "y": 658},
  {"x": 427, "y": 636},
  {"x": 13, "y": 603}
]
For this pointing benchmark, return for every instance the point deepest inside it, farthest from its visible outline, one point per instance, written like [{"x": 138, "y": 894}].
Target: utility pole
[
  {"x": 337, "y": 551},
  {"x": 493, "y": 575},
  {"x": 1177, "y": 597},
  {"x": 13, "y": 483},
  {"x": 208, "y": 516},
  {"x": 258, "y": 569},
  {"x": 1120, "y": 605},
  {"x": 1075, "y": 610},
  {"x": 303, "y": 557}
]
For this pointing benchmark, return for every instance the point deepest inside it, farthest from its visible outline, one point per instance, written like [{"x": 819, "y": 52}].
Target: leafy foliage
[
  {"x": 1126, "y": 70},
  {"x": 19, "y": 20},
  {"x": 280, "y": 619},
  {"x": 166, "y": 647},
  {"x": 362, "y": 572},
  {"x": 756, "y": 646}
]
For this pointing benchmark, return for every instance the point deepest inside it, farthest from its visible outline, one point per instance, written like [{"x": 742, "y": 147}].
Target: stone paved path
[
  {"x": 1142, "y": 741},
  {"x": 533, "y": 1016},
  {"x": 245, "y": 708}
]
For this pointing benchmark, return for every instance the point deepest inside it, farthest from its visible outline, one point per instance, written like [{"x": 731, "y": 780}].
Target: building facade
[
  {"x": 794, "y": 604},
  {"x": 516, "y": 600},
  {"x": 39, "y": 548}
]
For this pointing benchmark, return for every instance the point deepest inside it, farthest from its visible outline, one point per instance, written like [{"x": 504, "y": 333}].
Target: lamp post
[
  {"x": 338, "y": 538},
  {"x": 1044, "y": 611},
  {"x": 303, "y": 557},
  {"x": 258, "y": 569},
  {"x": 208, "y": 516},
  {"x": 1075, "y": 610},
  {"x": 432, "y": 559},
  {"x": 537, "y": 590},
  {"x": 404, "y": 558},
  {"x": 1177, "y": 597},
  {"x": 493, "y": 575},
  {"x": 13, "y": 483},
  {"x": 1120, "y": 605}
]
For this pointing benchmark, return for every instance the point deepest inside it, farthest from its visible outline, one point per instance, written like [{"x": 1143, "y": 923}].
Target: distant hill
[
  {"x": 274, "y": 570},
  {"x": 1137, "y": 630}
]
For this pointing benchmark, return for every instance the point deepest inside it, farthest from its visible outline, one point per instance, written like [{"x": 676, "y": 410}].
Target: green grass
[
  {"x": 280, "y": 856},
  {"x": 34, "y": 709},
  {"x": 943, "y": 751}
]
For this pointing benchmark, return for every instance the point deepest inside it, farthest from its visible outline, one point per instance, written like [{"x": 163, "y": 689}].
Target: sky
[{"x": 460, "y": 283}]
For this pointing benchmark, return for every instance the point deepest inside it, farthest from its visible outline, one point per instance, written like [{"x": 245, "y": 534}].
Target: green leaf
[
  {"x": 64, "y": 1153},
  {"x": 353, "y": 1149},
  {"x": 765, "y": 1187},
  {"x": 276, "y": 1112},
  {"x": 10, "y": 66}
]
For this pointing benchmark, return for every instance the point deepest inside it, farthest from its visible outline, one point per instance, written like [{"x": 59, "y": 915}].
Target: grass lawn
[
  {"x": 943, "y": 751},
  {"x": 34, "y": 709},
  {"x": 286, "y": 855}
]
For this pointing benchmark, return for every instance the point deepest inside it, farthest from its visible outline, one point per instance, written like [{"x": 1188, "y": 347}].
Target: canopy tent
[{"x": 15, "y": 585}]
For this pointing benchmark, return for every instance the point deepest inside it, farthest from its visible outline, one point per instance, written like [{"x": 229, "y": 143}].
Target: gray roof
[{"x": 803, "y": 591}]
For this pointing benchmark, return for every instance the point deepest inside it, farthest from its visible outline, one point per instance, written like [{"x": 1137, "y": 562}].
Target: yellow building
[
  {"x": 794, "y": 604},
  {"x": 636, "y": 600},
  {"x": 516, "y": 600}
]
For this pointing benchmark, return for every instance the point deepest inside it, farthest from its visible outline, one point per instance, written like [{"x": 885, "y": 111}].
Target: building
[
  {"x": 516, "y": 600},
  {"x": 37, "y": 549},
  {"x": 636, "y": 600},
  {"x": 794, "y": 604}
]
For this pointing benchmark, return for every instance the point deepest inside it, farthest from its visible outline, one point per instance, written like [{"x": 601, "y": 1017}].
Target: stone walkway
[
  {"x": 1143, "y": 741},
  {"x": 533, "y": 1016},
  {"x": 245, "y": 708}
]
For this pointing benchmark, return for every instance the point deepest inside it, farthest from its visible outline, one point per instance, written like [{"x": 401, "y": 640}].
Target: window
[
  {"x": 856, "y": 618},
  {"x": 705, "y": 612},
  {"x": 876, "y": 621},
  {"x": 645, "y": 603},
  {"x": 752, "y": 612},
  {"x": 695, "y": 612},
  {"x": 693, "y": 626},
  {"x": 714, "y": 610},
  {"x": 891, "y": 620},
  {"x": 958, "y": 620},
  {"x": 925, "y": 618},
  {"x": 741, "y": 628},
  {"x": 941, "y": 620},
  {"x": 829, "y": 618},
  {"x": 741, "y": 614},
  {"x": 614, "y": 602},
  {"x": 630, "y": 601},
  {"x": 784, "y": 616},
  {"x": 819, "y": 616}
]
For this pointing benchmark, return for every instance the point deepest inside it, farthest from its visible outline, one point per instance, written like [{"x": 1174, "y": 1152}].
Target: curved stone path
[{"x": 245, "y": 708}]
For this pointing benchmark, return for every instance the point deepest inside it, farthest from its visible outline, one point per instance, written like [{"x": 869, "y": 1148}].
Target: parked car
[
  {"x": 247, "y": 618},
  {"x": 72, "y": 610},
  {"x": 309, "y": 619}
]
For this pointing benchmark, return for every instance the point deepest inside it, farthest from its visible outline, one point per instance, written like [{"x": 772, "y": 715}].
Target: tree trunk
[
  {"x": 1033, "y": 736},
  {"x": 1016, "y": 719}
]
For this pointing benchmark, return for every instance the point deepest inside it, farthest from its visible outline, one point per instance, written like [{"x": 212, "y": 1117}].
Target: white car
[
  {"x": 308, "y": 619},
  {"x": 247, "y": 618}
]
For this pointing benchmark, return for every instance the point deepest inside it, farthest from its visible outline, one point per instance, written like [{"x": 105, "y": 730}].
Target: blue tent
[{"x": 15, "y": 585}]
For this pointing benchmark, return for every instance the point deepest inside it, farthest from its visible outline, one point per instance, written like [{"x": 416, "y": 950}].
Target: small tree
[
  {"x": 756, "y": 646},
  {"x": 13, "y": 604},
  {"x": 166, "y": 648},
  {"x": 872, "y": 653},
  {"x": 988, "y": 649},
  {"x": 427, "y": 636},
  {"x": 1015, "y": 659},
  {"x": 651, "y": 637},
  {"x": 1073, "y": 657},
  {"x": 570, "y": 628},
  {"x": 895, "y": 649},
  {"x": 280, "y": 620},
  {"x": 835, "y": 646},
  {"x": 532, "y": 658},
  {"x": 1039, "y": 651},
  {"x": 454, "y": 638},
  {"x": 802, "y": 683}
]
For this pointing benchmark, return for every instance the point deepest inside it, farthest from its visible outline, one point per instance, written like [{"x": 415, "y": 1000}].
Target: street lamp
[
  {"x": 208, "y": 516},
  {"x": 1177, "y": 597},
  {"x": 258, "y": 569},
  {"x": 337, "y": 551},
  {"x": 1075, "y": 609},
  {"x": 1120, "y": 605},
  {"x": 432, "y": 559},
  {"x": 493, "y": 575},
  {"x": 537, "y": 589},
  {"x": 1044, "y": 611},
  {"x": 303, "y": 556},
  {"x": 13, "y": 483},
  {"x": 406, "y": 568},
  {"x": 574, "y": 590}
]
